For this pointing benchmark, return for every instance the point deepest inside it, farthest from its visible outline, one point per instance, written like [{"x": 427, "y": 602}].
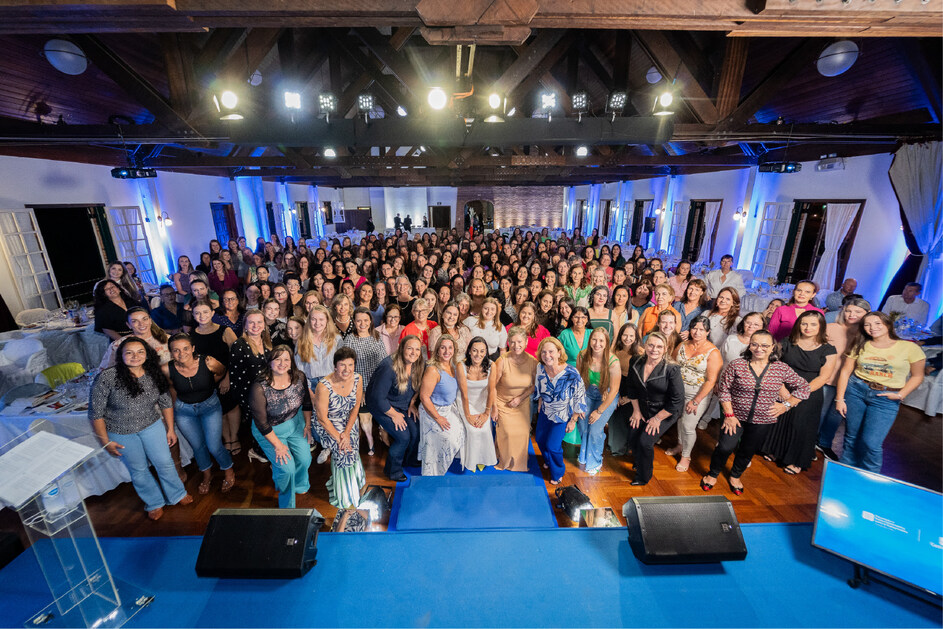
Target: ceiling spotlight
[
  {"x": 494, "y": 101},
  {"x": 226, "y": 103},
  {"x": 437, "y": 98},
  {"x": 616, "y": 102},
  {"x": 548, "y": 100},
  {"x": 327, "y": 102},
  {"x": 663, "y": 104},
  {"x": 365, "y": 103},
  {"x": 255, "y": 79},
  {"x": 837, "y": 58},
  {"x": 400, "y": 111},
  {"x": 292, "y": 100},
  {"x": 580, "y": 102},
  {"x": 582, "y": 151},
  {"x": 329, "y": 152}
]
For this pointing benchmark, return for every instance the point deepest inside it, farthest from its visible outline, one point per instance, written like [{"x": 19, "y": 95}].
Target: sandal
[
  {"x": 556, "y": 482},
  {"x": 682, "y": 466},
  {"x": 234, "y": 447},
  {"x": 205, "y": 487},
  {"x": 370, "y": 452},
  {"x": 769, "y": 457},
  {"x": 789, "y": 469},
  {"x": 228, "y": 483}
]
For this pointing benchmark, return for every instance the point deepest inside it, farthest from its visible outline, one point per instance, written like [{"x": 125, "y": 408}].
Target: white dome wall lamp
[{"x": 65, "y": 56}]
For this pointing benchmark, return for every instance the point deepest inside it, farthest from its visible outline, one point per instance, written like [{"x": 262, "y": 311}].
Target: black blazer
[{"x": 664, "y": 389}]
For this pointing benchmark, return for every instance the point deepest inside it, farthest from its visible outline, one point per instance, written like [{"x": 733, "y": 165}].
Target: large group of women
[{"x": 458, "y": 347}]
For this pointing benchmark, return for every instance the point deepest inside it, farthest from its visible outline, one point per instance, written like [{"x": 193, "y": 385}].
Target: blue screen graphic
[{"x": 886, "y": 525}]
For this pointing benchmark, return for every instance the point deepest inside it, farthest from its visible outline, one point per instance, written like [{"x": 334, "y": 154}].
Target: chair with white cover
[
  {"x": 25, "y": 359},
  {"x": 747, "y": 276},
  {"x": 31, "y": 316}
]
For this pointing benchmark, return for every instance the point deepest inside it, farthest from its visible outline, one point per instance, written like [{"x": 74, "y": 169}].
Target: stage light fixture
[
  {"x": 582, "y": 151},
  {"x": 400, "y": 111},
  {"x": 327, "y": 103},
  {"x": 227, "y": 103},
  {"x": 292, "y": 100},
  {"x": 365, "y": 103},
  {"x": 329, "y": 152},
  {"x": 580, "y": 102},
  {"x": 548, "y": 100},
  {"x": 663, "y": 104},
  {"x": 494, "y": 101},
  {"x": 437, "y": 98},
  {"x": 616, "y": 102}
]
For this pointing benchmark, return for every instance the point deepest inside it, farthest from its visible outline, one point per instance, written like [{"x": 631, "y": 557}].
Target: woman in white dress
[
  {"x": 478, "y": 451},
  {"x": 441, "y": 426}
]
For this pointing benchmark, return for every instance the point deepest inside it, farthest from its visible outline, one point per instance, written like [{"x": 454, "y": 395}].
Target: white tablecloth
[
  {"x": 66, "y": 343},
  {"x": 756, "y": 301},
  {"x": 928, "y": 397},
  {"x": 100, "y": 474}
]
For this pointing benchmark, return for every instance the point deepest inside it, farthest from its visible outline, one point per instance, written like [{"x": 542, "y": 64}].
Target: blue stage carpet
[
  {"x": 472, "y": 501},
  {"x": 543, "y": 578}
]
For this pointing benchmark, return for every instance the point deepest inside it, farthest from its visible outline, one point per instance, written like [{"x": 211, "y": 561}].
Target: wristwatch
[{"x": 787, "y": 404}]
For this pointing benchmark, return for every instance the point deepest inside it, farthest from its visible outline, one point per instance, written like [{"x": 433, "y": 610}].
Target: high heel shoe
[
  {"x": 736, "y": 490},
  {"x": 706, "y": 486}
]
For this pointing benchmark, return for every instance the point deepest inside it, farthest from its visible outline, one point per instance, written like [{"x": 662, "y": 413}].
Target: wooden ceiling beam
[
  {"x": 219, "y": 46},
  {"x": 181, "y": 80},
  {"x": 672, "y": 67},
  {"x": 731, "y": 75},
  {"x": 529, "y": 59},
  {"x": 799, "y": 59},
  {"x": 129, "y": 80}
]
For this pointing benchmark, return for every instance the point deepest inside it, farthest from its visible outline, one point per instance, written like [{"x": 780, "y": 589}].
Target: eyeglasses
[{"x": 760, "y": 346}]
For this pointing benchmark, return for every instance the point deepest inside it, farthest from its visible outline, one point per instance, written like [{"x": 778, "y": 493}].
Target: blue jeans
[
  {"x": 291, "y": 477},
  {"x": 594, "y": 435},
  {"x": 830, "y": 420},
  {"x": 867, "y": 421},
  {"x": 549, "y": 437},
  {"x": 149, "y": 447},
  {"x": 202, "y": 426}
]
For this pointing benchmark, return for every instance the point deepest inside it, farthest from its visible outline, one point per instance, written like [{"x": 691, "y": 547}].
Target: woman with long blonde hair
[
  {"x": 314, "y": 355},
  {"x": 441, "y": 426}
]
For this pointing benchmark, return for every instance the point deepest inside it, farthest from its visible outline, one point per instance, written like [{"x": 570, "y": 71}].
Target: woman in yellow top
[{"x": 873, "y": 381}]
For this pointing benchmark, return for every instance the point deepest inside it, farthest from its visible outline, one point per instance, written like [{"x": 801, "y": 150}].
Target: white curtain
[
  {"x": 571, "y": 209},
  {"x": 838, "y": 218},
  {"x": 314, "y": 212},
  {"x": 711, "y": 211},
  {"x": 591, "y": 218},
  {"x": 915, "y": 174}
]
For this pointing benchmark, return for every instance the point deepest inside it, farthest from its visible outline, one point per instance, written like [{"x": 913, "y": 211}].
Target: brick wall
[{"x": 519, "y": 205}]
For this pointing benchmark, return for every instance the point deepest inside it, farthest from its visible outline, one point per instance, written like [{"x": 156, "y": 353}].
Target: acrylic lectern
[{"x": 38, "y": 471}]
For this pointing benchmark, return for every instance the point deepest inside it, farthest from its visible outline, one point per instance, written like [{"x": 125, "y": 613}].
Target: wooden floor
[{"x": 912, "y": 453}]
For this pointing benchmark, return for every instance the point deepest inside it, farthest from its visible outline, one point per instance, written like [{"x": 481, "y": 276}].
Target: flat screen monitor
[{"x": 888, "y": 526}]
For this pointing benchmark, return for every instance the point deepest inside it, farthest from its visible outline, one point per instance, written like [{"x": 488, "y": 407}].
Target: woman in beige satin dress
[{"x": 512, "y": 382}]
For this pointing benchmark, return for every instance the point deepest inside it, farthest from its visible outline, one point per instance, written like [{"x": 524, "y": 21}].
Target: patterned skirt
[{"x": 439, "y": 447}]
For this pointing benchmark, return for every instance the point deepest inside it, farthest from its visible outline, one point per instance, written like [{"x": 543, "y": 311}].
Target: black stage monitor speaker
[
  {"x": 684, "y": 529},
  {"x": 259, "y": 543},
  {"x": 649, "y": 225}
]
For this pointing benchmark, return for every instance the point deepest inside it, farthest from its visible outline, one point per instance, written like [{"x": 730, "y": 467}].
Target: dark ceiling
[{"x": 747, "y": 78}]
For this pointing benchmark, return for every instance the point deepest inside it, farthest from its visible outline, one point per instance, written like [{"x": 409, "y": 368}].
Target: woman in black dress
[{"x": 792, "y": 439}]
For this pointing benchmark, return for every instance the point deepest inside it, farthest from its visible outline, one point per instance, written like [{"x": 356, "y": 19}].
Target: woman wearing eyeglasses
[{"x": 749, "y": 391}]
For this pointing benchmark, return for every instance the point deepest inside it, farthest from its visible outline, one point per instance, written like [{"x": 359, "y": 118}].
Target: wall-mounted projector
[
  {"x": 830, "y": 163},
  {"x": 780, "y": 167},
  {"x": 133, "y": 173}
]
